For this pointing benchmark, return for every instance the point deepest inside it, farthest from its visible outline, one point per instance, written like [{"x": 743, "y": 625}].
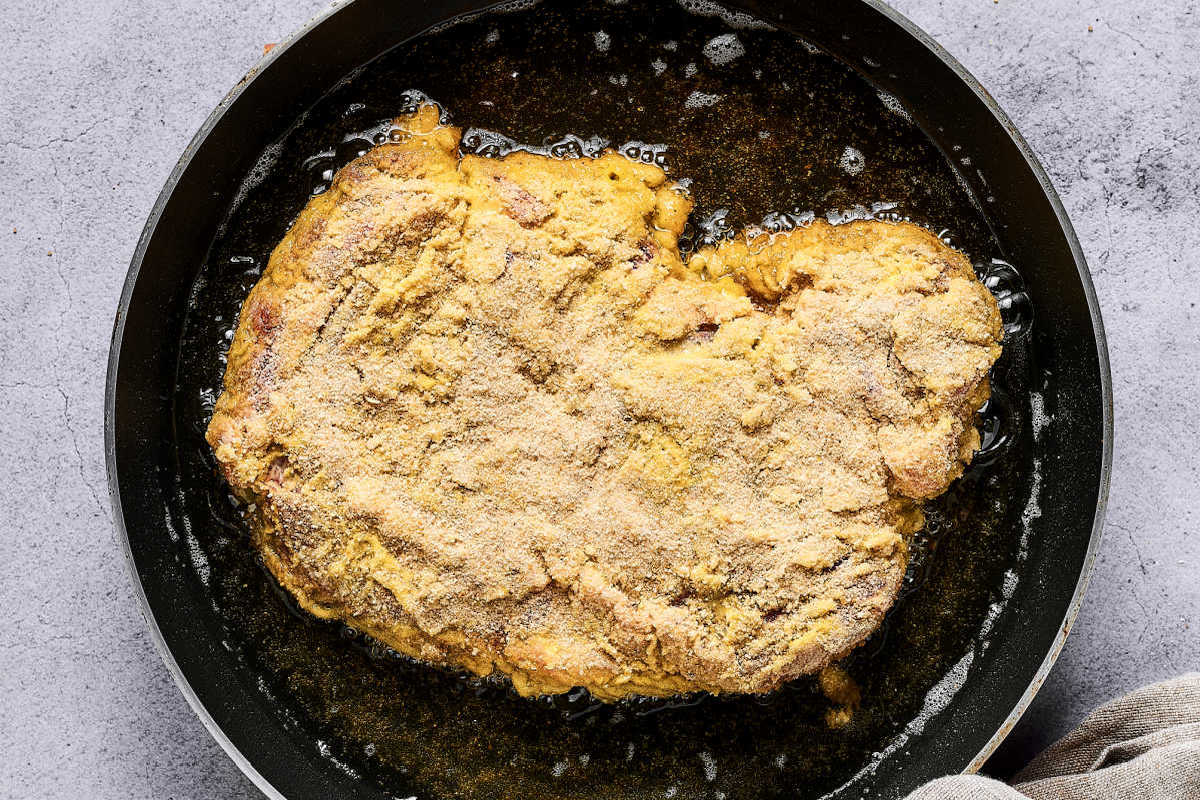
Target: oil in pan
[{"x": 764, "y": 129}]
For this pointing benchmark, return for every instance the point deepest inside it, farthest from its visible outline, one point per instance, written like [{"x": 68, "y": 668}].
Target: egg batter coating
[{"x": 488, "y": 414}]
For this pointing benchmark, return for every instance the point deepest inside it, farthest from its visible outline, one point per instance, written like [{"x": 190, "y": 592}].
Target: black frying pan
[{"x": 874, "y": 112}]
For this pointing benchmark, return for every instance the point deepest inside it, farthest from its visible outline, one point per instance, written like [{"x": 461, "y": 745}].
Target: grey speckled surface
[{"x": 101, "y": 97}]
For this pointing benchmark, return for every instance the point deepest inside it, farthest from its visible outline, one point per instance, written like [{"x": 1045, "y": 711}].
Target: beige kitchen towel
[{"x": 1144, "y": 746}]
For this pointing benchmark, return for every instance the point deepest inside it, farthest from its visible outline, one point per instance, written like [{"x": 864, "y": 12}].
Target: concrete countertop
[{"x": 101, "y": 97}]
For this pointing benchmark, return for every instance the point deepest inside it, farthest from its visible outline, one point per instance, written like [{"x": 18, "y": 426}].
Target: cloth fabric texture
[{"x": 1143, "y": 746}]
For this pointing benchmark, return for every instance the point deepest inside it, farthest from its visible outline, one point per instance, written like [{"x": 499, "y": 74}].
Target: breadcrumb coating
[{"x": 490, "y": 416}]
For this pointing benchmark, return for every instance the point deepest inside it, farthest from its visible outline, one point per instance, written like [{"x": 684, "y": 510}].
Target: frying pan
[{"x": 774, "y": 110}]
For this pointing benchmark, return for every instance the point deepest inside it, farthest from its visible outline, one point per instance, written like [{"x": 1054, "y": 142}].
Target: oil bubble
[
  {"x": 852, "y": 161},
  {"x": 486, "y": 144},
  {"x": 734, "y": 19},
  {"x": 892, "y": 103},
  {"x": 784, "y": 221},
  {"x": 701, "y": 100},
  {"x": 351, "y": 149},
  {"x": 997, "y": 427},
  {"x": 839, "y": 216},
  {"x": 724, "y": 49},
  {"x": 1016, "y": 307},
  {"x": 319, "y": 171},
  {"x": 715, "y": 227},
  {"x": 645, "y": 153}
]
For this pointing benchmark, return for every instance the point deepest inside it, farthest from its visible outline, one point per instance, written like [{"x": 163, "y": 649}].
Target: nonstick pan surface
[{"x": 839, "y": 114}]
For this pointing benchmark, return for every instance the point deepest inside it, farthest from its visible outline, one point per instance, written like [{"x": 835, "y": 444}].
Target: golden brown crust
[{"x": 489, "y": 415}]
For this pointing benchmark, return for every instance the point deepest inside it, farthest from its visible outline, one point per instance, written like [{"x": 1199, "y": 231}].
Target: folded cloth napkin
[{"x": 1143, "y": 746}]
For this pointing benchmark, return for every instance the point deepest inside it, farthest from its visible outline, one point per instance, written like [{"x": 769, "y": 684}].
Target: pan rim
[
  {"x": 110, "y": 397},
  {"x": 1106, "y": 399},
  {"x": 912, "y": 29}
]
